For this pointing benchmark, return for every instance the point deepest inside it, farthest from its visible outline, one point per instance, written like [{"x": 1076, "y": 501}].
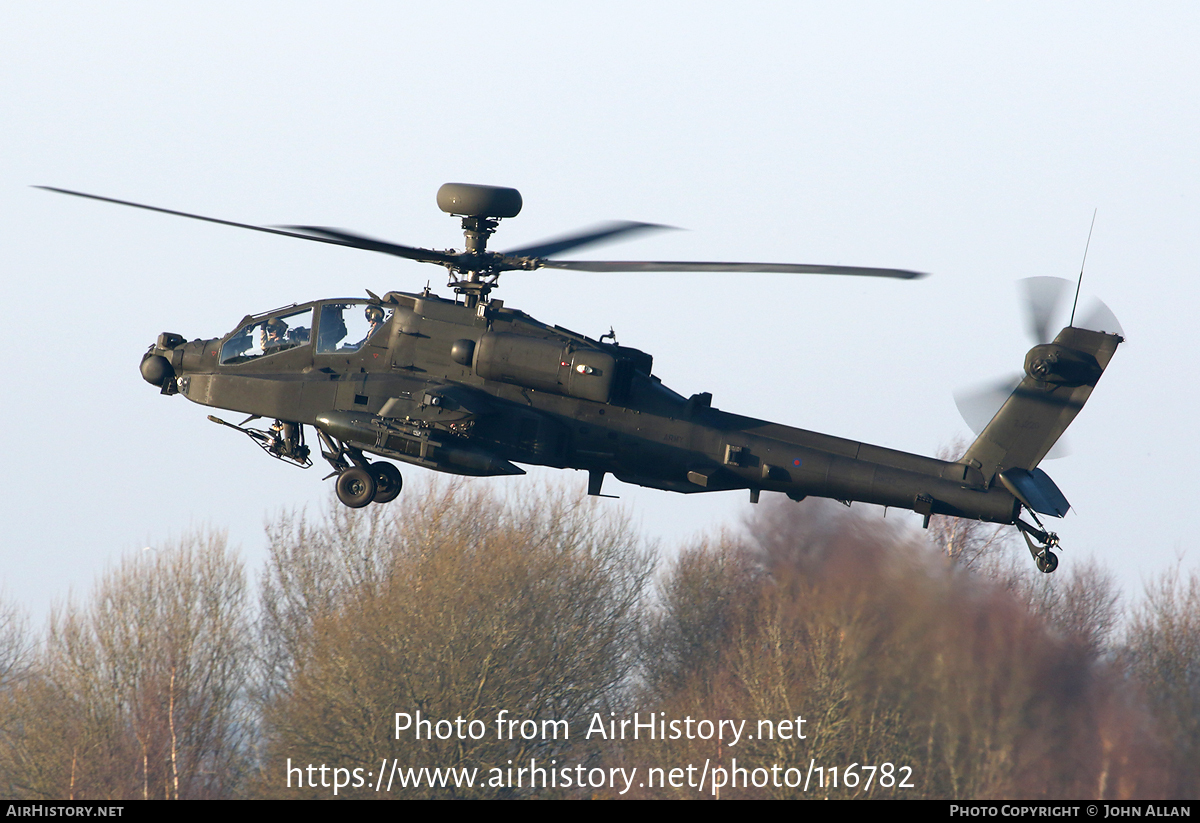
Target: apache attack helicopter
[{"x": 472, "y": 387}]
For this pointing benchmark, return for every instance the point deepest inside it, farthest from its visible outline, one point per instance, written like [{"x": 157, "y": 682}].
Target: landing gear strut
[{"x": 1043, "y": 556}]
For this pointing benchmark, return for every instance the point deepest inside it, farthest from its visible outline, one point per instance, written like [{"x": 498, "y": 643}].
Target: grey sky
[{"x": 970, "y": 140}]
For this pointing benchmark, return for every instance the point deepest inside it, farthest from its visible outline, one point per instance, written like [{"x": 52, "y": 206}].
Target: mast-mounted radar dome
[{"x": 470, "y": 200}]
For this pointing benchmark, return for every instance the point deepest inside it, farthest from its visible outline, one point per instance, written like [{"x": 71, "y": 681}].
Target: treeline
[{"x": 941, "y": 655}]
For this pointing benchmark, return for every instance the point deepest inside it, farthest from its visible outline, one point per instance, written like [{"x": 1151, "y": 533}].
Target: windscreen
[{"x": 267, "y": 336}]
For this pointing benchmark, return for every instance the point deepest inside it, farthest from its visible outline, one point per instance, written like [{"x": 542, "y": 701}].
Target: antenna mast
[{"x": 1079, "y": 284}]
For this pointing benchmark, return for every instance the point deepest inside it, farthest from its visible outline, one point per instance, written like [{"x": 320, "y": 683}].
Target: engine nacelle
[{"x": 546, "y": 364}]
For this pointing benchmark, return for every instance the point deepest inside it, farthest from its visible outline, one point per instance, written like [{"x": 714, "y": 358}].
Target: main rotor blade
[
  {"x": 606, "y": 232},
  {"x": 784, "y": 268},
  {"x": 189, "y": 215},
  {"x": 332, "y": 239},
  {"x": 361, "y": 241}
]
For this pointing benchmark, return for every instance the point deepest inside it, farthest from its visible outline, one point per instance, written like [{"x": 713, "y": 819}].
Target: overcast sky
[{"x": 969, "y": 140}]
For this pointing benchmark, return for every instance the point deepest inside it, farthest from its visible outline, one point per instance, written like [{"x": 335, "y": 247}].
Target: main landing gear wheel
[
  {"x": 1047, "y": 562},
  {"x": 388, "y": 482},
  {"x": 356, "y": 487}
]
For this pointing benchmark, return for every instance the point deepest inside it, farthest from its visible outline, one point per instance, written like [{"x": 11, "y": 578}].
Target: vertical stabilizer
[{"x": 1059, "y": 378}]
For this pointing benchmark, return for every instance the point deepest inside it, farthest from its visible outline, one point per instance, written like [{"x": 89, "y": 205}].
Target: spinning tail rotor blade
[
  {"x": 1042, "y": 298},
  {"x": 1043, "y": 295},
  {"x": 1099, "y": 317},
  {"x": 979, "y": 404}
]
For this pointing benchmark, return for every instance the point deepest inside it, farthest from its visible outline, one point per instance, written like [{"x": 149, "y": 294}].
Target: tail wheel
[
  {"x": 356, "y": 487},
  {"x": 1047, "y": 562},
  {"x": 388, "y": 482}
]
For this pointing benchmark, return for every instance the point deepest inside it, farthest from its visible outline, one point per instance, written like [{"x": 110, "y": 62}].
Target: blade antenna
[{"x": 1084, "y": 263}]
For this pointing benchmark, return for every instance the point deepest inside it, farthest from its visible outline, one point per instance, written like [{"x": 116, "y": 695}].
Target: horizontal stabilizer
[{"x": 1036, "y": 490}]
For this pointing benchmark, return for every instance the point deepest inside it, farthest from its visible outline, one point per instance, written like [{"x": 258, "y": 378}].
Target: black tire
[
  {"x": 388, "y": 482},
  {"x": 1048, "y": 563},
  {"x": 355, "y": 487}
]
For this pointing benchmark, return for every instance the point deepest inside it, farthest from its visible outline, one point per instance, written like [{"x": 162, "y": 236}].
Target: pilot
[
  {"x": 274, "y": 334},
  {"x": 374, "y": 316}
]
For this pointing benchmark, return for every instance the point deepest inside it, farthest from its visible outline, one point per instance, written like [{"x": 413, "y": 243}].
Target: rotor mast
[{"x": 481, "y": 208}]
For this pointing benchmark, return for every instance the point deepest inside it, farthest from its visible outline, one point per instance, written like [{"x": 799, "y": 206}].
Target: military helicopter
[{"x": 472, "y": 387}]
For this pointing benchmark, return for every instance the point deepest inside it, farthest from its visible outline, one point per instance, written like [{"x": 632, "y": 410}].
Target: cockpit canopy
[
  {"x": 341, "y": 326},
  {"x": 268, "y": 335},
  {"x": 346, "y": 326}
]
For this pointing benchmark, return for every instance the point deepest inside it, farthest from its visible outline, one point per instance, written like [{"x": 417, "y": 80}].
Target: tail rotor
[{"x": 1043, "y": 307}]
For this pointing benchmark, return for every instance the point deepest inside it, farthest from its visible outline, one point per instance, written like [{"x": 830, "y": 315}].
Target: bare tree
[
  {"x": 16, "y": 649},
  {"x": 703, "y": 597},
  {"x": 455, "y": 604},
  {"x": 139, "y": 693},
  {"x": 892, "y": 655},
  {"x": 971, "y": 544},
  {"x": 16, "y": 645},
  {"x": 1081, "y": 602},
  {"x": 1163, "y": 650}
]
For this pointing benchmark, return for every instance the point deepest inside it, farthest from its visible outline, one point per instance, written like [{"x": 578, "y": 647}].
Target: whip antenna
[{"x": 1081, "y": 265}]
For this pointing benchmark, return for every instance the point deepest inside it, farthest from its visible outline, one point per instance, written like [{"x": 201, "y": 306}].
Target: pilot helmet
[
  {"x": 276, "y": 326},
  {"x": 374, "y": 314}
]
